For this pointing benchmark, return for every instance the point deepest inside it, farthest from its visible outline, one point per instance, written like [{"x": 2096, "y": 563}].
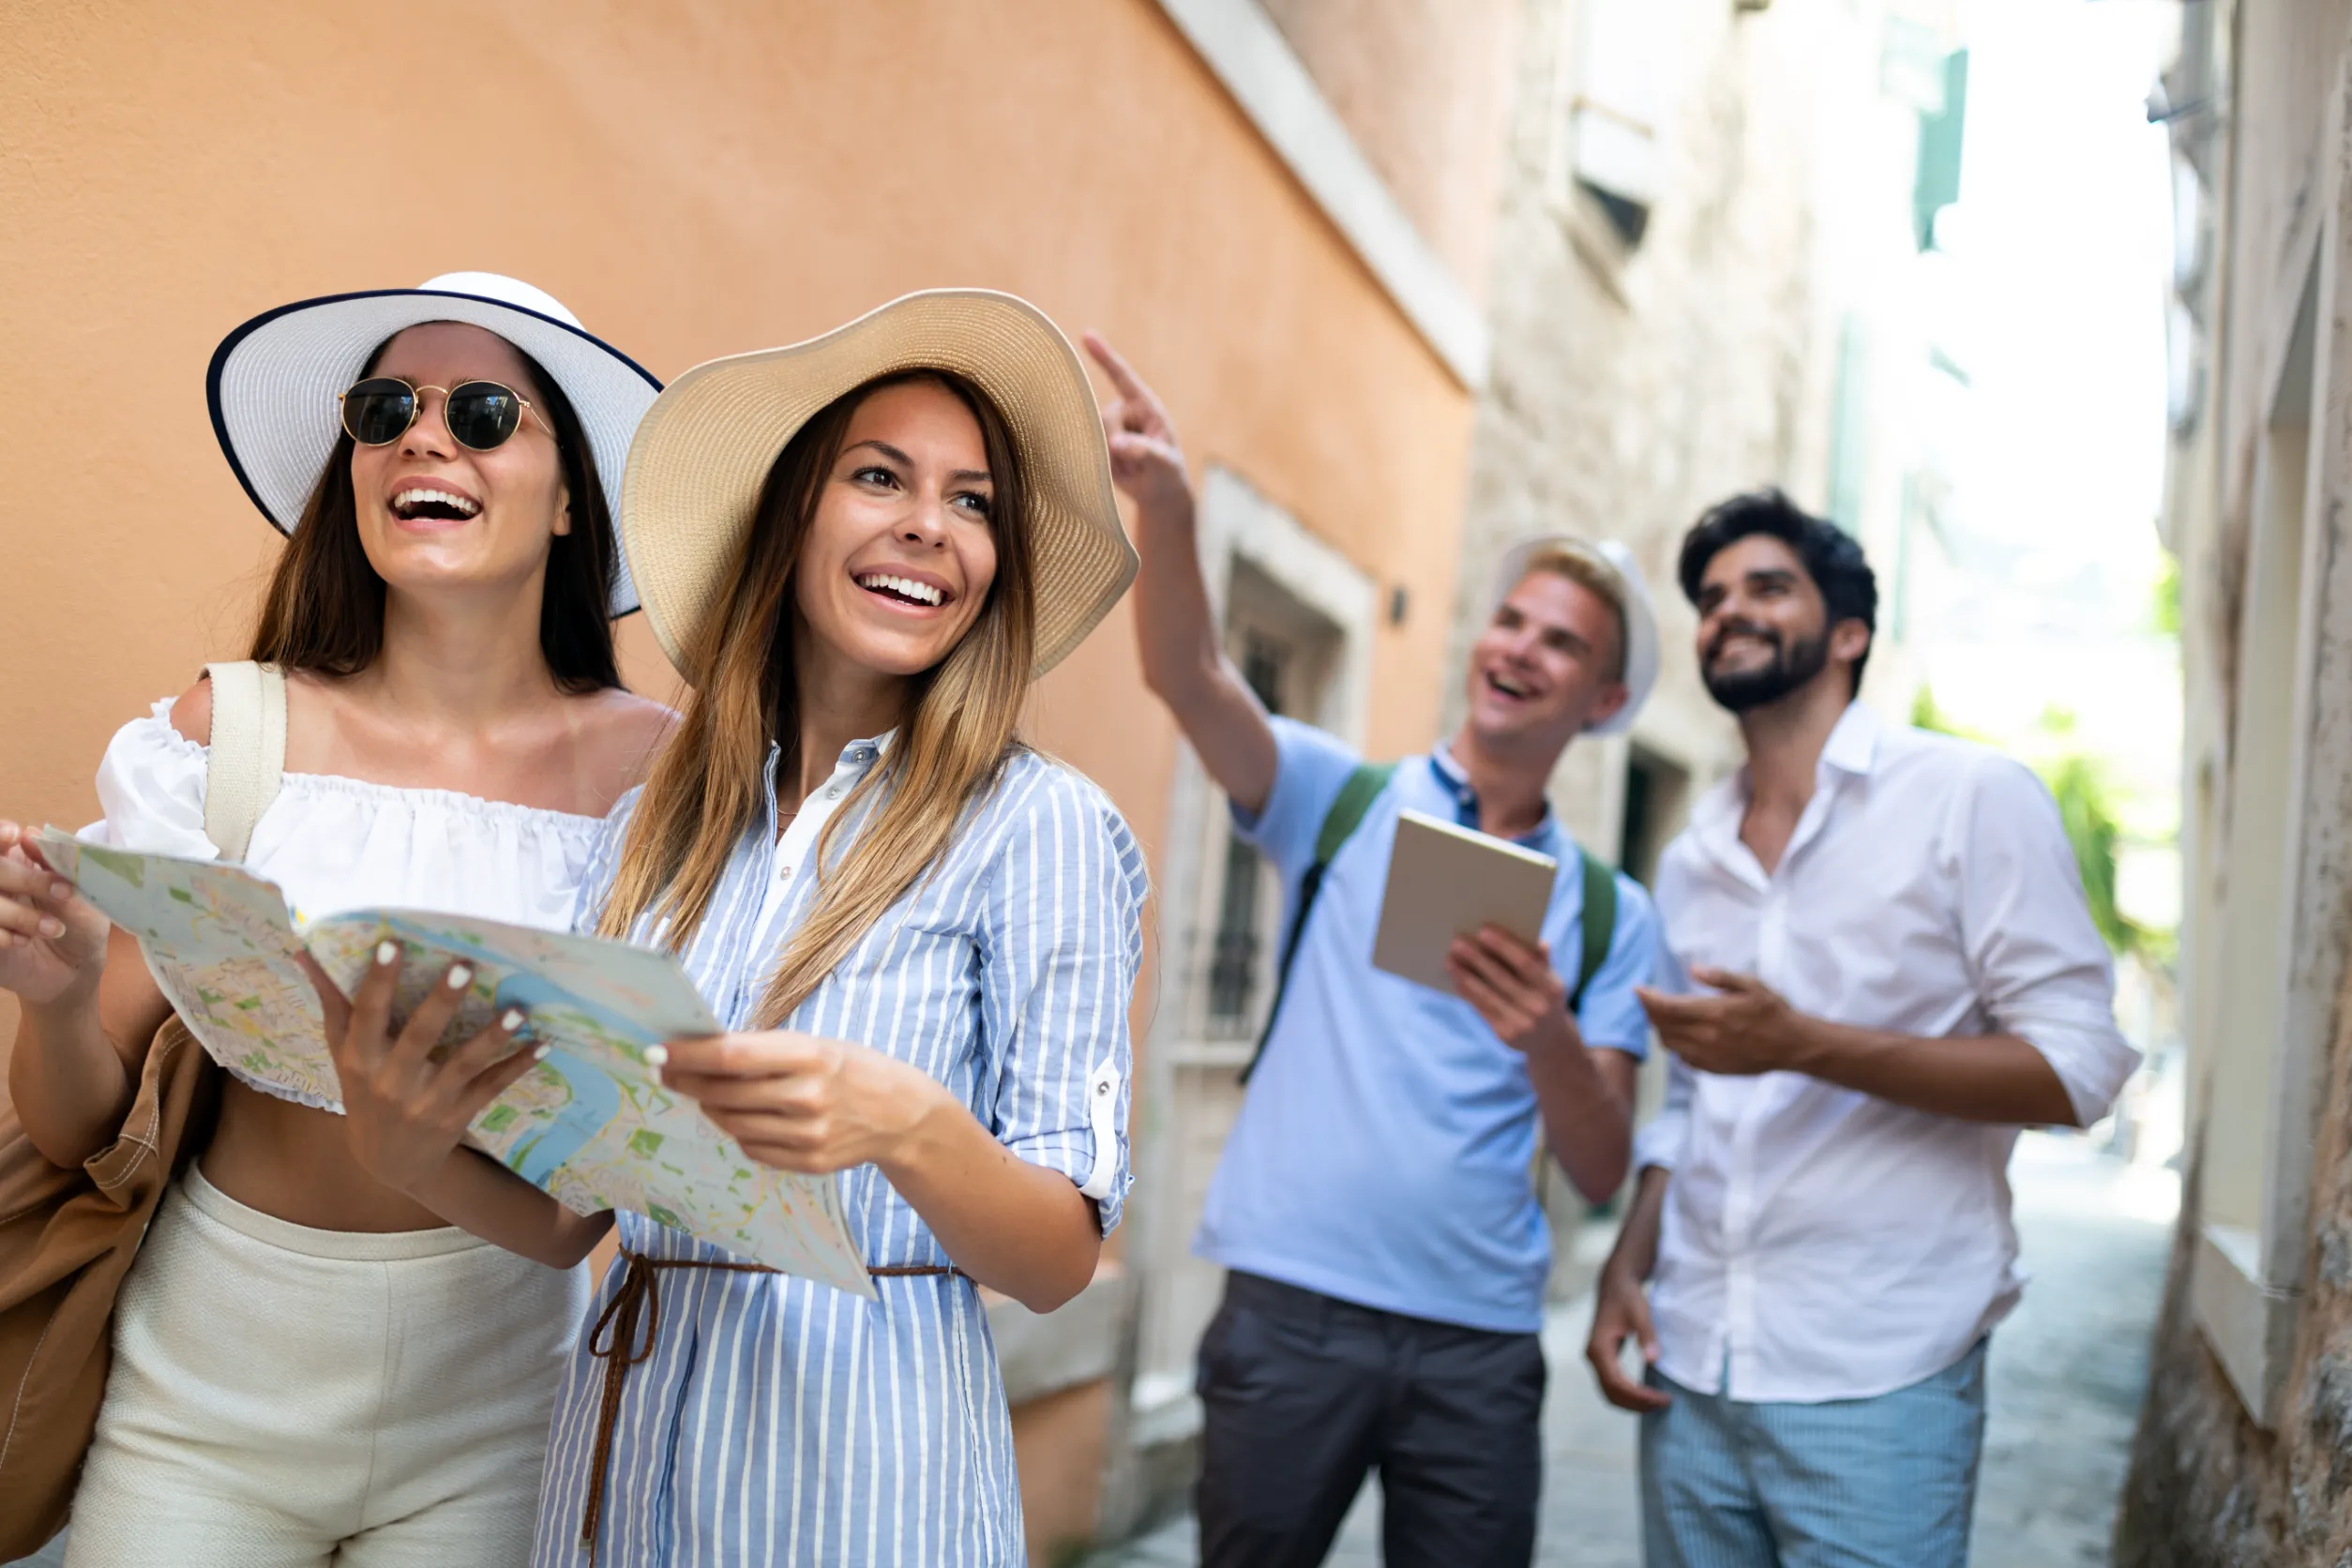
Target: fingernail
[
  {"x": 657, "y": 1057},
  {"x": 52, "y": 925},
  {"x": 511, "y": 1019},
  {"x": 61, "y": 890},
  {"x": 538, "y": 1053},
  {"x": 461, "y": 977},
  {"x": 387, "y": 951}
]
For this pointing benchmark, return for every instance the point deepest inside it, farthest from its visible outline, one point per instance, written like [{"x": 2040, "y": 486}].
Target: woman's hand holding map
[
  {"x": 409, "y": 1103},
  {"x": 52, "y": 942}
]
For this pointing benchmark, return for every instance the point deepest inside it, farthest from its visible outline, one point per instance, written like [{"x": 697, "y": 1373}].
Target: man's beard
[{"x": 1790, "y": 667}]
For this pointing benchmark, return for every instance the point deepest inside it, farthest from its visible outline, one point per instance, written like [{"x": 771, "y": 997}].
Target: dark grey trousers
[{"x": 1304, "y": 1394}]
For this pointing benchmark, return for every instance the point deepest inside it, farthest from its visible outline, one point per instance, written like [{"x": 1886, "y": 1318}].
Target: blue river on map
[{"x": 596, "y": 1099}]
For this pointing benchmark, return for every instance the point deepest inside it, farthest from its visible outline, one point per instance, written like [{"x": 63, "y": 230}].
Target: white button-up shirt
[
  {"x": 1822, "y": 1243},
  {"x": 796, "y": 847}
]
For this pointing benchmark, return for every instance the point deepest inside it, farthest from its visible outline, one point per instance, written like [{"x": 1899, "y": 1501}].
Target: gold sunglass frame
[{"x": 417, "y": 410}]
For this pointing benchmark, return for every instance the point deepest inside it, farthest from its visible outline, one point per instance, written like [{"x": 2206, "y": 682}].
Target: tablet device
[{"x": 1445, "y": 880}]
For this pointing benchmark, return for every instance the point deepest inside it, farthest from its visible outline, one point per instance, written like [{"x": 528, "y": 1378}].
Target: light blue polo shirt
[{"x": 1383, "y": 1150}]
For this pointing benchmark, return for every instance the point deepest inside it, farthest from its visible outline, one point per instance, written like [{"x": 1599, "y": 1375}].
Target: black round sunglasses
[{"x": 479, "y": 414}]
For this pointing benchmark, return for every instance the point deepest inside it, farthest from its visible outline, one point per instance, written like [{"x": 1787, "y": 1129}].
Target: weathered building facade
[{"x": 2244, "y": 1454}]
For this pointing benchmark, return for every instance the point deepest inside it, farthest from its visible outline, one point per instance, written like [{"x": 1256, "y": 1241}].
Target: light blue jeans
[{"x": 1881, "y": 1482}]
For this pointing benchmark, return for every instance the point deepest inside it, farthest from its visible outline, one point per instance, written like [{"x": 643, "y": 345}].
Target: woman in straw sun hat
[
  {"x": 860, "y": 550},
  {"x": 311, "y": 1364}
]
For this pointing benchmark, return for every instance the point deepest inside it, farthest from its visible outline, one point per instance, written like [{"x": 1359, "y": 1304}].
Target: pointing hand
[{"x": 1146, "y": 460}]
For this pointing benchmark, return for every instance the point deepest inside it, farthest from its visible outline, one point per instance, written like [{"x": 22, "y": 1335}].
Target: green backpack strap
[
  {"x": 1598, "y": 923},
  {"x": 1363, "y": 786},
  {"x": 1355, "y": 798}
]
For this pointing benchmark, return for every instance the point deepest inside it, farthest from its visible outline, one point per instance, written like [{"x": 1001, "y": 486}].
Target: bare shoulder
[
  {"x": 191, "y": 713},
  {"x": 624, "y": 731},
  {"x": 309, "y": 700}
]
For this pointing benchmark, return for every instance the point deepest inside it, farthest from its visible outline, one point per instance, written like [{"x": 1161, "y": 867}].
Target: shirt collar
[
  {"x": 1454, "y": 779},
  {"x": 858, "y": 758},
  {"x": 1852, "y": 749},
  {"x": 1853, "y": 745},
  {"x": 858, "y": 754}
]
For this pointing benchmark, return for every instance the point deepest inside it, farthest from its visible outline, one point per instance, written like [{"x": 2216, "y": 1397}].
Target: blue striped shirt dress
[{"x": 775, "y": 1421}]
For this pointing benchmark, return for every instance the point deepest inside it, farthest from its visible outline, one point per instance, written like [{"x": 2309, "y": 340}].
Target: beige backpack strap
[{"x": 248, "y": 754}]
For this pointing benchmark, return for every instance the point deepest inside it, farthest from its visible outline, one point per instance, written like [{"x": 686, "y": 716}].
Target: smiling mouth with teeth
[
  {"x": 903, "y": 589},
  {"x": 1730, "y": 641},
  {"x": 435, "y": 506},
  {"x": 1506, "y": 687}
]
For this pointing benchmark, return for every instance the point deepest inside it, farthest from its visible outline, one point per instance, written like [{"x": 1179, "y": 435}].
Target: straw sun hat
[
  {"x": 1640, "y": 616},
  {"x": 274, "y": 381},
  {"x": 704, "y": 450}
]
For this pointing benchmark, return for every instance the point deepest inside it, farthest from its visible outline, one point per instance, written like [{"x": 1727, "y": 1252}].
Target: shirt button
[
  {"x": 783, "y": 873},
  {"x": 833, "y": 792}
]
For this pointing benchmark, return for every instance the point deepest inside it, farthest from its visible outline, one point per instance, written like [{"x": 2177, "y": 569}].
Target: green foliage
[
  {"x": 2085, "y": 809},
  {"x": 1925, "y": 714},
  {"x": 2163, "y": 609}
]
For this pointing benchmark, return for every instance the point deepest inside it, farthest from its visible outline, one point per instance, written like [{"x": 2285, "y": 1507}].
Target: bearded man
[{"x": 1891, "y": 969}]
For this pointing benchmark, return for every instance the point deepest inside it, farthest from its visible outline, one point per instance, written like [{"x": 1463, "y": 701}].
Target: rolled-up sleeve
[
  {"x": 1611, "y": 1016},
  {"x": 2042, "y": 972},
  {"x": 1063, "y": 939}
]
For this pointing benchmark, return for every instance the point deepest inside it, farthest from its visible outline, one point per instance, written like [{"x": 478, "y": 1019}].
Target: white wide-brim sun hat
[
  {"x": 704, "y": 451},
  {"x": 274, "y": 381},
  {"x": 1641, "y": 616}
]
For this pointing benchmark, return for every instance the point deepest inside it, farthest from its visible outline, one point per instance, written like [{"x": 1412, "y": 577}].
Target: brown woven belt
[{"x": 615, "y": 1341}]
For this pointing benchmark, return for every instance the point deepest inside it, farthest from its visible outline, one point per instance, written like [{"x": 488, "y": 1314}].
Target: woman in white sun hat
[
  {"x": 312, "y": 1365},
  {"x": 860, "y": 550}
]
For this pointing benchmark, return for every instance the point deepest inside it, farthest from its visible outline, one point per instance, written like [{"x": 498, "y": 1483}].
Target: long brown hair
[
  {"x": 708, "y": 785},
  {"x": 324, "y": 608}
]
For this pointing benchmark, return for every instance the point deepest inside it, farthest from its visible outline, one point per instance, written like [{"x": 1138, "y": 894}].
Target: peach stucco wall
[
  {"x": 1425, "y": 88},
  {"x": 693, "y": 179}
]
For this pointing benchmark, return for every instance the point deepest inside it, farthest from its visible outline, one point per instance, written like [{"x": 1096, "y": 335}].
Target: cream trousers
[{"x": 284, "y": 1397}]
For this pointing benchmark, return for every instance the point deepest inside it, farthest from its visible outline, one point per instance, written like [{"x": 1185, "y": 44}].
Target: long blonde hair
[{"x": 708, "y": 786}]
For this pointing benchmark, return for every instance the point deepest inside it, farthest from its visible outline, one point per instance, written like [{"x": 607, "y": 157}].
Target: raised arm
[{"x": 1182, "y": 662}]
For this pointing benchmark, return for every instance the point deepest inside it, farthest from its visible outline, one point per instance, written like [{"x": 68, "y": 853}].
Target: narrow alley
[{"x": 2068, "y": 1370}]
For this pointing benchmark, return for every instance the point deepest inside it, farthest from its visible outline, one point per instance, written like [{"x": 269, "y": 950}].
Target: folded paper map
[{"x": 592, "y": 1124}]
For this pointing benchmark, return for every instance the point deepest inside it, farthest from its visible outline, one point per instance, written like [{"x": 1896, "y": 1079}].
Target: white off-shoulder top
[{"x": 332, "y": 844}]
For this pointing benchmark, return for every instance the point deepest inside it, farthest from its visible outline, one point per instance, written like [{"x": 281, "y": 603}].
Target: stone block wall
[{"x": 2210, "y": 1487}]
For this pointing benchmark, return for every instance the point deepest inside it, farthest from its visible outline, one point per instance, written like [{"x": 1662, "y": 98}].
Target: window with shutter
[{"x": 1622, "y": 105}]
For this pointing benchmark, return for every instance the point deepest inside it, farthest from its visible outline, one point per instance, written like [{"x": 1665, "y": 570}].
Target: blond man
[{"x": 1385, "y": 1252}]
